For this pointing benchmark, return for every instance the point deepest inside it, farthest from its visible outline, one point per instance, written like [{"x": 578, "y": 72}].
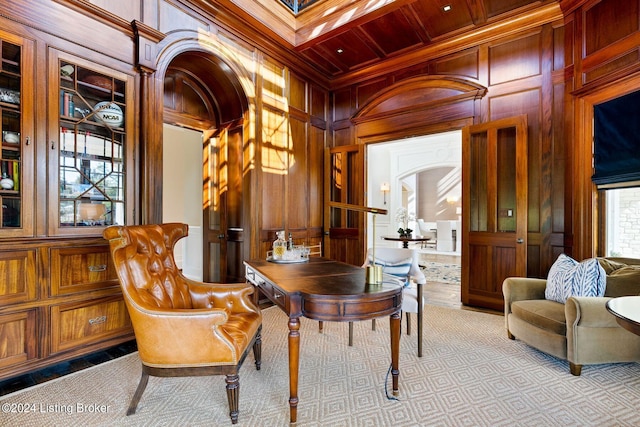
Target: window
[{"x": 620, "y": 230}]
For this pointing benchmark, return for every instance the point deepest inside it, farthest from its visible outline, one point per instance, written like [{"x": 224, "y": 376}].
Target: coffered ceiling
[{"x": 344, "y": 37}]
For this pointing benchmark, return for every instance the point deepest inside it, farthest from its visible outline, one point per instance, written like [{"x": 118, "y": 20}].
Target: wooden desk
[
  {"x": 627, "y": 312},
  {"x": 405, "y": 240},
  {"x": 326, "y": 290}
]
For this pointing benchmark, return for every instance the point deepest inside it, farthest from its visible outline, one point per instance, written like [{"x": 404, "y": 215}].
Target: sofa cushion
[
  {"x": 544, "y": 314},
  {"x": 568, "y": 277}
]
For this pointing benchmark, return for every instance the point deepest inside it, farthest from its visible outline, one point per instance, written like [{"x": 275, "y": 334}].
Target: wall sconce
[
  {"x": 384, "y": 187},
  {"x": 452, "y": 199}
]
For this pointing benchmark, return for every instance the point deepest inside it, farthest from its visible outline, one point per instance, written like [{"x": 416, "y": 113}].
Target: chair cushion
[
  {"x": 399, "y": 268},
  {"x": 568, "y": 277},
  {"x": 544, "y": 314}
]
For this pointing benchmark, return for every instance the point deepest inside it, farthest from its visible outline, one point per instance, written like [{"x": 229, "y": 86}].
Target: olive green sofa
[{"x": 581, "y": 331}]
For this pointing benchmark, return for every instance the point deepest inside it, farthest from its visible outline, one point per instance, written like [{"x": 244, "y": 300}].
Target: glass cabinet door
[
  {"x": 16, "y": 155},
  {"x": 91, "y": 149}
]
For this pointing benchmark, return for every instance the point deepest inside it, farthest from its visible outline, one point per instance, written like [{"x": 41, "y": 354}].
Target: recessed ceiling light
[
  {"x": 339, "y": 50},
  {"x": 446, "y": 8}
]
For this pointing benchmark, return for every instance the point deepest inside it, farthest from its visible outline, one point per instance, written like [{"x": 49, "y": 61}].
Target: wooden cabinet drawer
[
  {"x": 77, "y": 324},
  {"x": 18, "y": 334},
  {"x": 18, "y": 276},
  {"x": 81, "y": 269}
]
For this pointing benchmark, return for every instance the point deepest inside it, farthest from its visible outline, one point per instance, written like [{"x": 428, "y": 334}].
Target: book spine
[
  {"x": 16, "y": 176},
  {"x": 65, "y": 105}
]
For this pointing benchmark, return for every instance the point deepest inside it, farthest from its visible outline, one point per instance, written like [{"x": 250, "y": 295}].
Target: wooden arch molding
[
  {"x": 222, "y": 96},
  {"x": 420, "y": 93}
]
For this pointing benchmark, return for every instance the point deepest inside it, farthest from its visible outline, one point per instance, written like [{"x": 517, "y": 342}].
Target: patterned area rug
[
  {"x": 471, "y": 374},
  {"x": 443, "y": 273}
]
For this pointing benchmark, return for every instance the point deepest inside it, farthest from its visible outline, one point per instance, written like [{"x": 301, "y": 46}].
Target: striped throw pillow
[
  {"x": 568, "y": 277},
  {"x": 399, "y": 268}
]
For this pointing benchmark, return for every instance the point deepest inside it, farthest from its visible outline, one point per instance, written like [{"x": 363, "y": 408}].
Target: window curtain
[{"x": 616, "y": 148}]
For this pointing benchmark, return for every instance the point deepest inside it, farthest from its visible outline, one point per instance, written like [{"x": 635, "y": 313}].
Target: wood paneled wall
[
  {"x": 603, "y": 62},
  {"x": 522, "y": 74}
]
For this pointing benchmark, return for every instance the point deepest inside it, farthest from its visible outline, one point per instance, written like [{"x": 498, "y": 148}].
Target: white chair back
[{"x": 396, "y": 255}]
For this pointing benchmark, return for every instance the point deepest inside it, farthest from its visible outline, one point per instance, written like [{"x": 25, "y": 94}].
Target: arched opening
[{"x": 204, "y": 106}]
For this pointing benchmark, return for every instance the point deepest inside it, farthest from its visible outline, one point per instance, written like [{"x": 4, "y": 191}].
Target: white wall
[
  {"x": 182, "y": 194},
  {"x": 394, "y": 162}
]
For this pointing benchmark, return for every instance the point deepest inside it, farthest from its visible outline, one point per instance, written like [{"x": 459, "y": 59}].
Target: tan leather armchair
[
  {"x": 581, "y": 331},
  {"x": 182, "y": 327}
]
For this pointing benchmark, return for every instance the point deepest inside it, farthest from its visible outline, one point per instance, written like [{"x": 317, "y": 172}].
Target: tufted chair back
[{"x": 144, "y": 260}]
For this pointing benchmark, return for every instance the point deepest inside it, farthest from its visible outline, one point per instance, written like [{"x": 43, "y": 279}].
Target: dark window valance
[{"x": 616, "y": 148}]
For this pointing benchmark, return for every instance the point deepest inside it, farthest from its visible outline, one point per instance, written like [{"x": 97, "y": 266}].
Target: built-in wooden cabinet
[
  {"x": 16, "y": 156},
  {"x": 88, "y": 166},
  {"x": 59, "y": 293}
]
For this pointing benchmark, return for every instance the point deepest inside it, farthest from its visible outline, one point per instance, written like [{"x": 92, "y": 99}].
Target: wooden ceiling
[{"x": 342, "y": 37}]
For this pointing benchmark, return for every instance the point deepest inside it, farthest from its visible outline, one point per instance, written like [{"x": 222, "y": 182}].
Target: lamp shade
[{"x": 91, "y": 211}]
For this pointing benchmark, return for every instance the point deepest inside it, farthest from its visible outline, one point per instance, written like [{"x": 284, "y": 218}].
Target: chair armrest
[
  {"x": 235, "y": 297},
  {"x": 521, "y": 288},
  {"x": 589, "y": 312},
  {"x": 188, "y": 337}
]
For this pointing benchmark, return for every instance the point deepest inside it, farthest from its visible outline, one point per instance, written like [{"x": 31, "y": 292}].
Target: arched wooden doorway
[{"x": 203, "y": 94}]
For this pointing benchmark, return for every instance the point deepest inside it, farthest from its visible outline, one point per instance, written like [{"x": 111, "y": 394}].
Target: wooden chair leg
[
  {"x": 257, "y": 351},
  {"x": 575, "y": 369},
  {"x": 320, "y": 326},
  {"x": 420, "y": 318},
  {"x": 233, "y": 389},
  {"x": 144, "y": 379},
  {"x": 408, "y": 316},
  {"x": 350, "y": 334},
  {"x": 373, "y": 324}
]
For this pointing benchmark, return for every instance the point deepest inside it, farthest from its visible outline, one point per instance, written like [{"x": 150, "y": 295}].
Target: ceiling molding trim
[{"x": 498, "y": 30}]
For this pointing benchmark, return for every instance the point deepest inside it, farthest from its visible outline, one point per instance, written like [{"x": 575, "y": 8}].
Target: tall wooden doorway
[{"x": 494, "y": 196}]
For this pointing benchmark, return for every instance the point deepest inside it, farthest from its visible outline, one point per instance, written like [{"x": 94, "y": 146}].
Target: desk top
[{"x": 323, "y": 277}]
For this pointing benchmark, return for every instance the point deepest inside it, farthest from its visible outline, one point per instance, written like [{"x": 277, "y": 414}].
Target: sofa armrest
[
  {"x": 589, "y": 312},
  {"x": 521, "y": 288}
]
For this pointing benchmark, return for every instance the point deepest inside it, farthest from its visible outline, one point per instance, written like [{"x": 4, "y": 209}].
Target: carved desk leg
[
  {"x": 294, "y": 365},
  {"x": 394, "y": 322}
]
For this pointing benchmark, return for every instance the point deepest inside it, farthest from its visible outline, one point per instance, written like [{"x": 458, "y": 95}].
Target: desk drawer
[{"x": 274, "y": 294}]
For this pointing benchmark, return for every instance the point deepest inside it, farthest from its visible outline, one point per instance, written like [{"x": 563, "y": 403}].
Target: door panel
[
  {"x": 223, "y": 194},
  {"x": 344, "y": 179},
  {"x": 495, "y": 216}
]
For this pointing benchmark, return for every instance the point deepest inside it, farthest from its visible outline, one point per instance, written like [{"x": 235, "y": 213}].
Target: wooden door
[
  {"x": 223, "y": 228},
  {"x": 344, "y": 172},
  {"x": 494, "y": 239}
]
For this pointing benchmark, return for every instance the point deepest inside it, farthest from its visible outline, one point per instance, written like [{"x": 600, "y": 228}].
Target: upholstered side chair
[
  {"x": 404, "y": 264},
  {"x": 182, "y": 327}
]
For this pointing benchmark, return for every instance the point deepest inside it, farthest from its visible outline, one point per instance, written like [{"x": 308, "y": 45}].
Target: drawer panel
[
  {"x": 274, "y": 294},
  {"x": 18, "y": 335},
  {"x": 83, "y": 323},
  {"x": 17, "y": 276},
  {"x": 81, "y": 269}
]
